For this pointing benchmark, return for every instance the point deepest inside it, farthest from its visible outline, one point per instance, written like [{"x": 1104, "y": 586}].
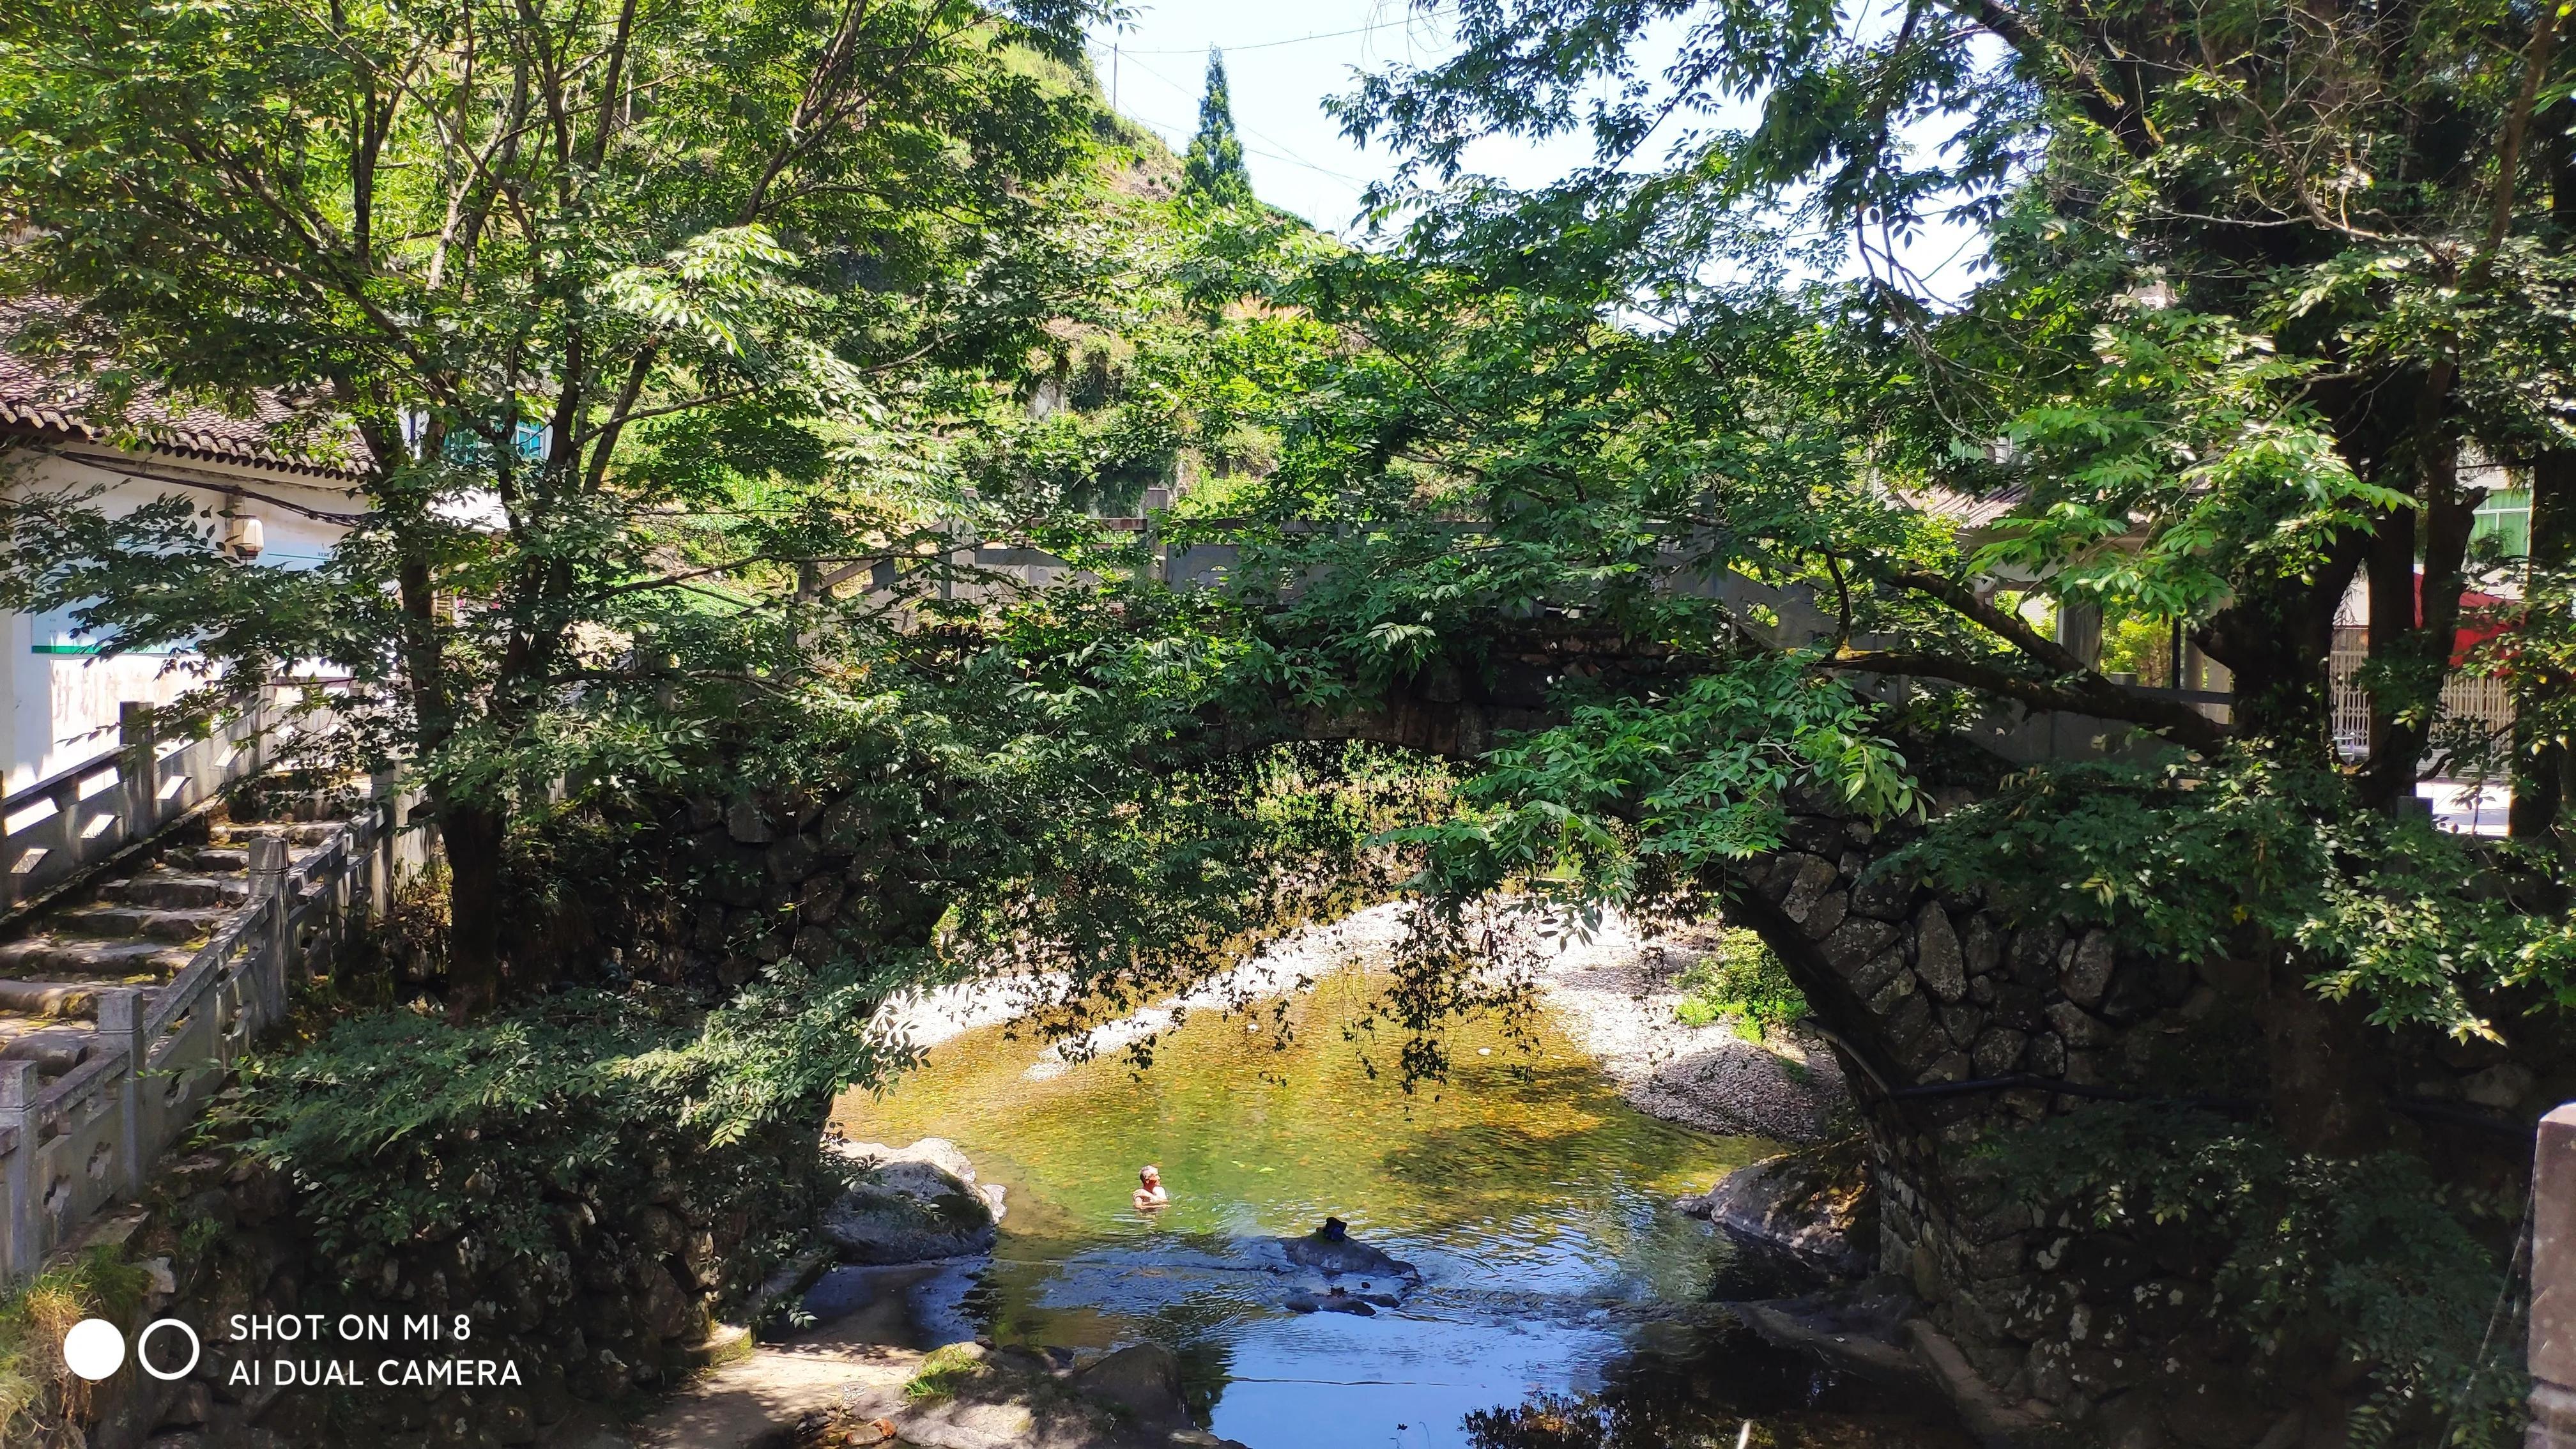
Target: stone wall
[
  {"x": 738, "y": 885},
  {"x": 1921, "y": 988}
]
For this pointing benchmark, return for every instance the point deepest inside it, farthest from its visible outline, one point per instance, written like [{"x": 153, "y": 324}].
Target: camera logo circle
[
  {"x": 144, "y": 1339},
  {"x": 94, "y": 1349}
]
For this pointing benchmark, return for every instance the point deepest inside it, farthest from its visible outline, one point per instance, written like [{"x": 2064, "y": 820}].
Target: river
[{"x": 1533, "y": 1199}]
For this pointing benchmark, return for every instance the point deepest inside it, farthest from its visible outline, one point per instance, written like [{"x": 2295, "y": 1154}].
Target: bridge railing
[
  {"x": 91, "y": 1136},
  {"x": 63, "y": 828},
  {"x": 1786, "y": 617}
]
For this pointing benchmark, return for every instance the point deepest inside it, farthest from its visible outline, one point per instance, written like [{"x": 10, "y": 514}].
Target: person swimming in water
[{"x": 1150, "y": 1194}]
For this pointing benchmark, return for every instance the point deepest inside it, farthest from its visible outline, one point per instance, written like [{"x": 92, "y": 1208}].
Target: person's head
[{"x": 1150, "y": 1175}]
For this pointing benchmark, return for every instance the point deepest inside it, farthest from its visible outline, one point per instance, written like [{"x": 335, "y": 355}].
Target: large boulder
[
  {"x": 1142, "y": 1381},
  {"x": 910, "y": 1204},
  {"x": 1330, "y": 1250},
  {"x": 1814, "y": 1206}
]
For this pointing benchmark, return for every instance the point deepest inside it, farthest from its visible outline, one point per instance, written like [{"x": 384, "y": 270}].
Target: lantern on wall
[{"x": 243, "y": 537}]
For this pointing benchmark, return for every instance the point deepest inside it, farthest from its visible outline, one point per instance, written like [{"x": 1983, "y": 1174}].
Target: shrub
[
  {"x": 397, "y": 1124},
  {"x": 1743, "y": 981},
  {"x": 39, "y": 1396}
]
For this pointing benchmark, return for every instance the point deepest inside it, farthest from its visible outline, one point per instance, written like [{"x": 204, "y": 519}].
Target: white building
[{"x": 276, "y": 508}]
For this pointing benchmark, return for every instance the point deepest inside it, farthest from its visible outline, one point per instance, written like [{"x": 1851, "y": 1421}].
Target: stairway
[{"x": 137, "y": 930}]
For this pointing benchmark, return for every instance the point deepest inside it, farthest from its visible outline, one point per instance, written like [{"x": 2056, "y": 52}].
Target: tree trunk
[
  {"x": 2276, "y": 639},
  {"x": 2392, "y": 618},
  {"x": 473, "y": 836},
  {"x": 2420, "y": 658},
  {"x": 2541, "y": 763}
]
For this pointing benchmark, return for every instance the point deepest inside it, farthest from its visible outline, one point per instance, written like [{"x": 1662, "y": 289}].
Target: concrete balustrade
[
  {"x": 2553, "y": 1283},
  {"x": 92, "y": 1135}
]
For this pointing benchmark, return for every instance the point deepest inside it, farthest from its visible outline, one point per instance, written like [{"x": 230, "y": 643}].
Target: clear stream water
[{"x": 1532, "y": 1198}]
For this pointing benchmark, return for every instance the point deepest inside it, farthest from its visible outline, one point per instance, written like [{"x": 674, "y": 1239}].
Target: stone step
[
  {"x": 311, "y": 832},
  {"x": 172, "y": 890},
  {"x": 55, "y": 1047},
  {"x": 62, "y": 999},
  {"x": 153, "y": 922},
  {"x": 108, "y": 962},
  {"x": 208, "y": 859}
]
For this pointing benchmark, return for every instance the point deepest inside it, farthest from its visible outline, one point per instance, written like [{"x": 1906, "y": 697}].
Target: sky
[{"x": 1282, "y": 62}]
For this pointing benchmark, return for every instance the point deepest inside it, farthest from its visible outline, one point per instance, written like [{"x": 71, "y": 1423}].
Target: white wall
[{"x": 61, "y": 708}]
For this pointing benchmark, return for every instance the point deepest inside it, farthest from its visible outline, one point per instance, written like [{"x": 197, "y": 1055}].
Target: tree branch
[
  {"x": 2535, "y": 66},
  {"x": 2166, "y": 716},
  {"x": 2010, "y": 626}
]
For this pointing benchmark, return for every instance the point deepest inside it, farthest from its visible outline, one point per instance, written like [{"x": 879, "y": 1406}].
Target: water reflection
[{"x": 1727, "y": 1391}]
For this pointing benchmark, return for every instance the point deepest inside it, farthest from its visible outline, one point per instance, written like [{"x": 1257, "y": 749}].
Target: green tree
[
  {"x": 1213, "y": 169},
  {"x": 610, "y": 306},
  {"x": 2238, "y": 324},
  {"x": 2256, "y": 281}
]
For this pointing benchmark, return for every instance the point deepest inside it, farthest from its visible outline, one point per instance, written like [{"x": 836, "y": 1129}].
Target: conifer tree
[{"x": 1213, "y": 170}]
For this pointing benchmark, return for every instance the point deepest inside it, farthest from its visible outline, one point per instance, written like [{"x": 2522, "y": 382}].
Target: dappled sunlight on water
[{"x": 1532, "y": 1198}]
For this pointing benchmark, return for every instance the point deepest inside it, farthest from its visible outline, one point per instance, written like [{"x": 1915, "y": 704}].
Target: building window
[{"x": 2502, "y": 527}]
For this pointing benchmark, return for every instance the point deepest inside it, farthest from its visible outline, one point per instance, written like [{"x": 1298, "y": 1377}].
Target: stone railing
[
  {"x": 91, "y": 1136},
  {"x": 59, "y": 829},
  {"x": 2553, "y": 1283}
]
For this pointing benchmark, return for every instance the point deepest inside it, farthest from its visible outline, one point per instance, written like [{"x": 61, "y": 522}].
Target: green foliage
[
  {"x": 2210, "y": 859},
  {"x": 943, "y": 1372},
  {"x": 2194, "y": 423},
  {"x": 614, "y": 388},
  {"x": 1199, "y": 873},
  {"x": 2186, "y": 386},
  {"x": 1631, "y": 792},
  {"x": 2320, "y": 1260},
  {"x": 1743, "y": 981},
  {"x": 396, "y": 1122},
  {"x": 40, "y": 1398}
]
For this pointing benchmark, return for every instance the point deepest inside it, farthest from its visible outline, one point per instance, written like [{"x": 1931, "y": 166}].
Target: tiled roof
[
  {"x": 1970, "y": 511},
  {"x": 35, "y": 400}
]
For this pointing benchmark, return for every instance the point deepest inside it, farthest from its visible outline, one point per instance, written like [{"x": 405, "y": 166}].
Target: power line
[
  {"x": 1292, "y": 158},
  {"x": 1174, "y": 136},
  {"x": 1295, "y": 39}
]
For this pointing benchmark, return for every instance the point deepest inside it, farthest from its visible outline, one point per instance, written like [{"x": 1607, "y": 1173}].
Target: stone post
[
  {"x": 267, "y": 866},
  {"x": 18, "y": 1109},
  {"x": 384, "y": 803},
  {"x": 268, "y": 891},
  {"x": 139, "y": 761},
  {"x": 2553, "y": 1283},
  {"x": 120, "y": 1022}
]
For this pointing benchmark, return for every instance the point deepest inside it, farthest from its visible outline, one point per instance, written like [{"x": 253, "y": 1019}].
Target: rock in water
[
  {"x": 1143, "y": 1381},
  {"x": 1338, "y": 1301},
  {"x": 1814, "y": 1205},
  {"x": 910, "y": 1204},
  {"x": 1334, "y": 1254}
]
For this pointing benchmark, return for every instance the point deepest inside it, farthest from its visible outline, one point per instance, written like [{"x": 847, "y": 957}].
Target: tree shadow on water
[{"x": 1739, "y": 1390}]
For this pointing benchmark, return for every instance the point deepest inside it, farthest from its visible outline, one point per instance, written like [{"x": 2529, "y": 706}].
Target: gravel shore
[{"x": 1615, "y": 994}]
